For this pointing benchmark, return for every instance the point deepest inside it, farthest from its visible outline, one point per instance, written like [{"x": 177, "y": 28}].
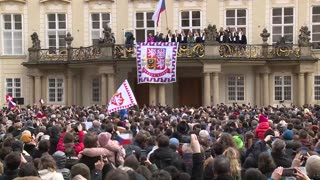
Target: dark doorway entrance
[
  {"x": 141, "y": 92},
  {"x": 190, "y": 91}
]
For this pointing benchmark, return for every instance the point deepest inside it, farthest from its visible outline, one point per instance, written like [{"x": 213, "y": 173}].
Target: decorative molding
[
  {"x": 67, "y": 1},
  {"x": 21, "y": 1},
  {"x": 99, "y": 0}
]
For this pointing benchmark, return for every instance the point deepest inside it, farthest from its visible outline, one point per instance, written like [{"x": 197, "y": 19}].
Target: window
[
  {"x": 55, "y": 89},
  {"x": 190, "y": 20},
  {"x": 57, "y": 30},
  {"x": 317, "y": 88},
  {"x": 13, "y": 87},
  {"x": 98, "y": 22},
  {"x": 282, "y": 24},
  {"x": 12, "y": 34},
  {"x": 144, "y": 26},
  {"x": 96, "y": 90},
  {"x": 282, "y": 88},
  {"x": 236, "y": 88},
  {"x": 315, "y": 26},
  {"x": 236, "y": 18}
]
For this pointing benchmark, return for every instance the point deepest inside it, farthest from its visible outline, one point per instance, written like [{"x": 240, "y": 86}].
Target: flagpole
[{"x": 166, "y": 15}]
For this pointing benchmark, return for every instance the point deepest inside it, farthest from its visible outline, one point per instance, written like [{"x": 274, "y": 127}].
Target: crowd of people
[
  {"x": 229, "y": 35},
  {"x": 204, "y": 143}
]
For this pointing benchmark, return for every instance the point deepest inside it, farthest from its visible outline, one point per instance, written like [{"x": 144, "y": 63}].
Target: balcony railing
[{"x": 192, "y": 50}]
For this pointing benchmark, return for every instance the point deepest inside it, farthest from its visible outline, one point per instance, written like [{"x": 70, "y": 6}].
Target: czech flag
[
  {"x": 125, "y": 139},
  {"x": 41, "y": 101},
  {"x": 12, "y": 104},
  {"x": 160, "y": 8}
]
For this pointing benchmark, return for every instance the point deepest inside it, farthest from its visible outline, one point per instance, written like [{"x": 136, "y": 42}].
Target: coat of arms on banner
[{"x": 156, "y": 62}]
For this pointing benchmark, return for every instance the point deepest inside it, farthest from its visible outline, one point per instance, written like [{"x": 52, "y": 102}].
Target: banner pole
[{"x": 166, "y": 15}]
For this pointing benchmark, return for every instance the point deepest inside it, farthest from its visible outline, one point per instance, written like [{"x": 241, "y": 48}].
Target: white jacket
[{"x": 45, "y": 174}]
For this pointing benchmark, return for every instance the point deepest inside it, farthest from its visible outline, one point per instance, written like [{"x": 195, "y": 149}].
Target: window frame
[
  {"x": 316, "y": 86},
  {"x": 145, "y": 26},
  {"x": 236, "y": 26},
  {"x": 282, "y": 25},
  {"x": 95, "y": 88},
  {"x": 314, "y": 23},
  {"x": 282, "y": 76},
  {"x": 13, "y": 87},
  {"x": 56, "y": 89},
  {"x": 236, "y": 86},
  {"x": 12, "y": 31},
  {"x": 57, "y": 46},
  {"x": 101, "y": 28},
  {"x": 190, "y": 21}
]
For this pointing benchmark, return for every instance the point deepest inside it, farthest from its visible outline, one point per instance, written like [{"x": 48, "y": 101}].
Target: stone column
[
  {"x": 309, "y": 90},
  {"x": 266, "y": 89},
  {"x": 152, "y": 94},
  {"x": 301, "y": 94},
  {"x": 257, "y": 90},
  {"x": 37, "y": 88},
  {"x": 162, "y": 94},
  {"x": 215, "y": 82},
  {"x": 206, "y": 90},
  {"x": 104, "y": 97},
  {"x": 111, "y": 90},
  {"x": 31, "y": 90},
  {"x": 69, "y": 97}
]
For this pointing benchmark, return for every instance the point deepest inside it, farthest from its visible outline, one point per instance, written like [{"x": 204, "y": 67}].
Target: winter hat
[
  {"x": 60, "y": 158},
  {"x": 174, "y": 141},
  {"x": 288, "y": 135},
  {"x": 203, "y": 134},
  {"x": 26, "y": 138},
  {"x": 313, "y": 166},
  {"x": 254, "y": 123},
  {"x": 101, "y": 117},
  {"x": 238, "y": 141},
  {"x": 29, "y": 123},
  {"x": 262, "y": 118},
  {"x": 104, "y": 138}
]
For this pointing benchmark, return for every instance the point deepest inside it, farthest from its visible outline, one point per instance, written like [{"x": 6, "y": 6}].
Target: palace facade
[{"x": 64, "y": 62}]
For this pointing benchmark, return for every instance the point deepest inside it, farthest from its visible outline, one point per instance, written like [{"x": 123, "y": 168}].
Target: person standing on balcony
[
  {"x": 176, "y": 36},
  {"x": 169, "y": 36},
  {"x": 203, "y": 36},
  {"x": 234, "y": 36},
  {"x": 150, "y": 38},
  {"x": 190, "y": 38},
  {"x": 220, "y": 37},
  {"x": 242, "y": 36},
  {"x": 183, "y": 38},
  {"x": 156, "y": 37}
]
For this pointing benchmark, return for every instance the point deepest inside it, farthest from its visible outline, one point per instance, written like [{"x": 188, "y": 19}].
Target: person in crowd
[{"x": 48, "y": 169}]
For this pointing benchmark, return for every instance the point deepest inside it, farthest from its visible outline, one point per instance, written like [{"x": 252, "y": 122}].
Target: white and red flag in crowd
[
  {"x": 122, "y": 99},
  {"x": 157, "y": 62},
  {"x": 41, "y": 101},
  {"x": 161, "y": 6},
  {"x": 10, "y": 102},
  {"x": 8, "y": 98}
]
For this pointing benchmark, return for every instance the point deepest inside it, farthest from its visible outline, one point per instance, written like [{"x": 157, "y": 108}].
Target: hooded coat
[
  {"x": 61, "y": 159},
  {"x": 262, "y": 127}
]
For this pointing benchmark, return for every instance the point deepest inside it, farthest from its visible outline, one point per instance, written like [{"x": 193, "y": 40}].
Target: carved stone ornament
[
  {"x": 107, "y": 35},
  {"x": 265, "y": 35},
  {"x": 211, "y": 33},
  {"x": 68, "y": 39},
  {"x": 304, "y": 37},
  {"x": 35, "y": 41}
]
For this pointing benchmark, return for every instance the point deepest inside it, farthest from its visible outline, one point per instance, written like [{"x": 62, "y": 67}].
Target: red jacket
[
  {"x": 77, "y": 147},
  {"x": 261, "y": 129}
]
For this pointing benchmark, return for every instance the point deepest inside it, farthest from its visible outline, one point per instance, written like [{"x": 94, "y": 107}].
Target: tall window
[
  {"x": 144, "y": 25},
  {"x": 57, "y": 30},
  {"x": 236, "y": 88},
  {"x": 190, "y": 20},
  {"x": 282, "y": 88},
  {"x": 13, "y": 87},
  {"x": 12, "y": 34},
  {"x": 315, "y": 26},
  {"x": 282, "y": 24},
  {"x": 236, "y": 18},
  {"x": 317, "y": 88},
  {"x": 96, "y": 90},
  {"x": 55, "y": 88},
  {"x": 98, "y": 22}
]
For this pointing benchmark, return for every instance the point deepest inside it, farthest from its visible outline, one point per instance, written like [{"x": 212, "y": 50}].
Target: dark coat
[
  {"x": 163, "y": 157},
  {"x": 9, "y": 175},
  {"x": 281, "y": 159}
]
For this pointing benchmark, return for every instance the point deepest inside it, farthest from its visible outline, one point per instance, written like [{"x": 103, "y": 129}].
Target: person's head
[
  {"x": 313, "y": 166},
  {"x": 217, "y": 149},
  {"x": 254, "y": 174},
  {"x": 95, "y": 124},
  {"x": 68, "y": 138},
  {"x": 163, "y": 141},
  {"x": 80, "y": 169},
  {"x": 4, "y": 152},
  {"x": 44, "y": 145},
  {"x": 221, "y": 165},
  {"x": 303, "y": 134},
  {"x": 116, "y": 174},
  {"x": 227, "y": 141},
  {"x": 28, "y": 169},
  {"x": 266, "y": 163},
  {"x": 161, "y": 175},
  {"x": 90, "y": 140},
  {"x": 234, "y": 157},
  {"x": 144, "y": 171},
  {"x": 47, "y": 162},
  {"x": 278, "y": 146},
  {"x": 131, "y": 161},
  {"x": 12, "y": 161},
  {"x": 60, "y": 158},
  {"x": 109, "y": 128}
]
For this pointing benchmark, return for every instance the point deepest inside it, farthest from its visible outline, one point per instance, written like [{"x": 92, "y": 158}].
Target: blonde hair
[{"x": 233, "y": 155}]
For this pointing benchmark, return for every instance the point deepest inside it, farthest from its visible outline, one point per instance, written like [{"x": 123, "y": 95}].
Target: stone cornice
[
  {"x": 21, "y": 1},
  {"x": 99, "y": 0},
  {"x": 43, "y": 1}
]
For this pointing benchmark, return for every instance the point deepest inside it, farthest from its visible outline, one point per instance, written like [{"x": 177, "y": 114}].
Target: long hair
[
  {"x": 266, "y": 163},
  {"x": 227, "y": 141},
  {"x": 234, "y": 157}
]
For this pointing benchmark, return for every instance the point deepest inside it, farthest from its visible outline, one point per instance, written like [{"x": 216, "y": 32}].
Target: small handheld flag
[
  {"x": 12, "y": 104},
  {"x": 122, "y": 99},
  {"x": 41, "y": 101},
  {"x": 8, "y": 98}
]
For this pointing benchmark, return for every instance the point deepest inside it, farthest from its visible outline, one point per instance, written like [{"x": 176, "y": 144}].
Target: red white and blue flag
[
  {"x": 10, "y": 102},
  {"x": 160, "y": 8},
  {"x": 125, "y": 139},
  {"x": 41, "y": 101}
]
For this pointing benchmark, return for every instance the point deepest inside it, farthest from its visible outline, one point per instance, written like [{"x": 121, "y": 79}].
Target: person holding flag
[{"x": 10, "y": 101}]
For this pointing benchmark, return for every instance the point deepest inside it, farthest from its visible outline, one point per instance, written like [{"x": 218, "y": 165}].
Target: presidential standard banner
[{"x": 156, "y": 62}]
